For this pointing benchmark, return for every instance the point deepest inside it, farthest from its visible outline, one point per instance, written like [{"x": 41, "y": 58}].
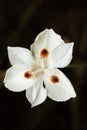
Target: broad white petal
[
  {"x": 36, "y": 94},
  {"x": 19, "y": 55},
  {"x": 62, "y": 55},
  {"x": 59, "y": 87},
  {"x": 17, "y": 78},
  {"x": 47, "y": 39}
]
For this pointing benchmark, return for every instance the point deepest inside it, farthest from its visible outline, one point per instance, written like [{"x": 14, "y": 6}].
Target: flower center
[
  {"x": 44, "y": 53},
  {"x": 28, "y": 75},
  {"x": 37, "y": 69},
  {"x": 54, "y": 79}
]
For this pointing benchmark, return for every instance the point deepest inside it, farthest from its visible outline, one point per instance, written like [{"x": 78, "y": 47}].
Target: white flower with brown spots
[{"x": 36, "y": 71}]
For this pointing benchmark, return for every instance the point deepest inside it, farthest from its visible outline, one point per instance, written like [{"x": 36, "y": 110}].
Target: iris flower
[{"x": 35, "y": 70}]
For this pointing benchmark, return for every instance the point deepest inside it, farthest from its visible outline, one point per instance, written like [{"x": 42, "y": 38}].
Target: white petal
[
  {"x": 36, "y": 94},
  {"x": 47, "y": 39},
  {"x": 62, "y": 55},
  {"x": 61, "y": 90},
  {"x": 15, "y": 79},
  {"x": 52, "y": 37},
  {"x": 19, "y": 55}
]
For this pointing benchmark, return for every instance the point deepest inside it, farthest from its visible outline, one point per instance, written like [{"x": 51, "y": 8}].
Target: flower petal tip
[
  {"x": 35, "y": 105},
  {"x": 32, "y": 106},
  {"x": 74, "y": 95},
  {"x": 9, "y": 47},
  {"x": 70, "y": 97},
  {"x": 72, "y": 43}
]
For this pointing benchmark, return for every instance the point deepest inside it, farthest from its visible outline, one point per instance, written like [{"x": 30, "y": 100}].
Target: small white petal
[
  {"x": 47, "y": 39},
  {"x": 19, "y": 55},
  {"x": 36, "y": 94},
  {"x": 62, "y": 55},
  {"x": 17, "y": 79},
  {"x": 59, "y": 87},
  {"x": 52, "y": 37}
]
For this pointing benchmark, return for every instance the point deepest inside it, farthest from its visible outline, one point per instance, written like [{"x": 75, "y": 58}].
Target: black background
[{"x": 20, "y": 22}]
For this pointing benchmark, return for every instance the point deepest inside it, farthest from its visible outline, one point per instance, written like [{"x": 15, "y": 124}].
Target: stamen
[
  {"x": 28, "y": 75},
  {"x": 54, "y": 79},
  {"x": 44, "y": 53}
]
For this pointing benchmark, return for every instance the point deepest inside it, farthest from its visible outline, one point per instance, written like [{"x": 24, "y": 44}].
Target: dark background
[{"x": 20, "y": 22}]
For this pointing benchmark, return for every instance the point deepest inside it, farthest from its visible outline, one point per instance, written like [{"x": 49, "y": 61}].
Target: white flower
[{"x": 36, "y": 71}]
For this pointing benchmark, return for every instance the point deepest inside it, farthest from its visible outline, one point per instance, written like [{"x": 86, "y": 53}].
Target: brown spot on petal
[
  {"x": 44, "y": 53},
  {"x": 28, "y": 75},
  {"x": 54, "y": 79}
]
